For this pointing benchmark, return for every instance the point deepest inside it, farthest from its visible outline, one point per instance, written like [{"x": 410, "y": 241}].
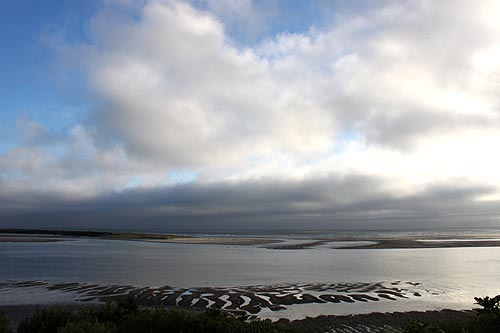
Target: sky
[{"x": 241, "y": 114}]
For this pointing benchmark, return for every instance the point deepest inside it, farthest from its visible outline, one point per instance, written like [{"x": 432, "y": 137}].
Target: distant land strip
[{"x": 94, "y": 234}]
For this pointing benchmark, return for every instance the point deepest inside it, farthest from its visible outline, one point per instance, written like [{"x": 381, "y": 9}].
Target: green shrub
[
  {"x": 4, "y": 324},
  {"x": 46, "y": 321}
]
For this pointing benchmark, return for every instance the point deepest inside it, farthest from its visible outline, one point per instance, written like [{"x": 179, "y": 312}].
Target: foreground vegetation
[
  {"x": 4, "y": 323},
  {"x": 124, "y": 316}
]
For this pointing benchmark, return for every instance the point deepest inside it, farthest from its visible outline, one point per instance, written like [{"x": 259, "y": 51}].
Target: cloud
[
  {"x": 366, "y": 116},
  {"x": 203, "y": 102},
  {"x": 334, "y": 203}
]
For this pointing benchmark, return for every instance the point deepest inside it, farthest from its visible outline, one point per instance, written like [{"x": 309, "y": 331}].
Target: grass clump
[{"x": 4, "y": 324}]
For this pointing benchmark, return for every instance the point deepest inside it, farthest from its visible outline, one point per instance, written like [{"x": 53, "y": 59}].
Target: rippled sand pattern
[{"x": 247, "y": 301}]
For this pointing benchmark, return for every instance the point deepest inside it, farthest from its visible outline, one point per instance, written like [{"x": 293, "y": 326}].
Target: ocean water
[{"x": 449, "y": 277}]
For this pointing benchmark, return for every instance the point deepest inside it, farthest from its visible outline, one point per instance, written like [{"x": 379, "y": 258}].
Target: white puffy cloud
[{"x": 178, "y": 92}]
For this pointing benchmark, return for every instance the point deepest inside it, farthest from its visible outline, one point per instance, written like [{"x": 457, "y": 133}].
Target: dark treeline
[
  {"x": 76, "y": 233},
  {"x": 86, "y": 233}
]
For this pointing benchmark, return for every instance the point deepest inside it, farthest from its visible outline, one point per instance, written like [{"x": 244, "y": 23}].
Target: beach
[{"x": 310, "y": 281}]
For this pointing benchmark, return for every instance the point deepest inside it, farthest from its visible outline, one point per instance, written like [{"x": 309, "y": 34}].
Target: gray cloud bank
[{"x": 330, "y": 204}]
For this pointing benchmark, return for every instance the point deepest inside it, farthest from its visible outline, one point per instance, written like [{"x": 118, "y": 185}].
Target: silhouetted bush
[{"x": 489, "y": 315}]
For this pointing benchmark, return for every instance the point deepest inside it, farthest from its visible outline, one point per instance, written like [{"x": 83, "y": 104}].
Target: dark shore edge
[{"x": 90, "y": 234}]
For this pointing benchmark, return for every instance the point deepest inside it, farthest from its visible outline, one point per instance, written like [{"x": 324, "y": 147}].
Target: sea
[{"x": 442, "y": 277}]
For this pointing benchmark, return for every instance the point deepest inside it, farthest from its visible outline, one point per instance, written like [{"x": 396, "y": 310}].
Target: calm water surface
[{"x": 458, "y": 274}]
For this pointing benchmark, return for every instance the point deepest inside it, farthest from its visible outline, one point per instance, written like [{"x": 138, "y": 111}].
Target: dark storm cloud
[{"x": 329, "y": 203}]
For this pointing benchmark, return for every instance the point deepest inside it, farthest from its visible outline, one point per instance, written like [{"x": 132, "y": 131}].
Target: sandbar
[{"x": 219, "y": 241}]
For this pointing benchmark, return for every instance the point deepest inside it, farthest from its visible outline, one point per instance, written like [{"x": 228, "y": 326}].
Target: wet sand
[
  {"x": 220, "y": 241},
  {"x": 242, "y": 301}
]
